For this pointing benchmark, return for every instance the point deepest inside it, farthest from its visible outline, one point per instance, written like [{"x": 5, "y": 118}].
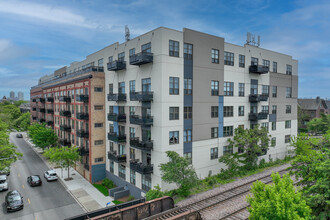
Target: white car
[
  {"x": 50, "y": 175},
  {"x": 3, "y": 183}
]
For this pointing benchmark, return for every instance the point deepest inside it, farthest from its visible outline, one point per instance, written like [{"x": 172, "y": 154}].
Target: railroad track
[{"x": 210, "y": 201}]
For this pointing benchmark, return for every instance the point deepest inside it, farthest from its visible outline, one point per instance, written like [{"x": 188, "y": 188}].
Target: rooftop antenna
[
  {"x": 251, "y": 39},
  {"x": 127, "y": 34}
]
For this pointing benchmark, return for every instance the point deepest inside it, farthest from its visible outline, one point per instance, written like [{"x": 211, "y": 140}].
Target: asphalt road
[{"x": 47, "y": 202}]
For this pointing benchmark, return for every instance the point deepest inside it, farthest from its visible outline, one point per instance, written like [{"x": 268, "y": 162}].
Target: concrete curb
[{"x": 60, "y": 180}]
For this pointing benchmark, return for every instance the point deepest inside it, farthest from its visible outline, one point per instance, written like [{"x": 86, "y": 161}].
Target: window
[
  {"x": 227, "y": 150},
  {"x": 100, "y": 63},
  {"x": 214, "y": 87},
  {"x": 229, "y": 58},
  {"x": 132, "y": 110},
  {"x": 187, "y": 113},
  {"x": 112, "y": 167},
  {"x": 241, "y": 89},
  {"x": 265, "y": 90},
  {"x": 132, "y": 86},
  {"x": 131, "y": 52},
  {"x": 215, "y": 56},
  {"x": 132, "y": 153},
  {"x": 274, "y": 126},
  {"x": 121, "y": 56},
  {"x": 132, "y": 177},
  {"x": 146, "y": 182},
  {"x": 122, "y": 171},
  {"x": 174, "y": 85},
  {"x": 98, "y": 142},
  {"x": 288, "y": 92},
  {"x": 288, "y": 124},
  {"x": 132, "y": 132},
  {"x": 98, "y": 125},
  {"x": 227, "y": 131},
  {"x": 99, "y": 159},
  {"x": 110, "y": 59},
  {"x": 98, "y": 89},
  {"x": 275, "y": 67},
  {"x": 214, "y": 132},
  {"x": 174, "y": 113},
  {"x": 174, "y": 48},
  {"x": 146, "y": 48},
  {"x": 241, "y": 61},
  {"x": 265, "y": 125},
  {"x": 254, "y": 89},
  {"x": 288, "y": 109},
  {"x": 287, "y": 138},
  {"x": 229, "y": 88},
  {"x": 146, "y": 85},
  {"x": 187, "y": 136},
  {"x": 188, "y": 51},
  {"x": 214, "y": 111},
  {"x": 265, "y": 109},
  {"x": 98, "y": 107},
  {"x": 240, "y": 149},
  {"x": 273, "y": 141},
  {"x": 254, "y": 61},
  {"x": 188, "y": 156},
  {"x": 187, "y": 86},
  {"x": 274, "y": 92},
  {"x": 214, "y": 153},
  {"x": 174, "y": 137},
  {"x": 228, "y": 111},
  {"x": 288, "y": 69},
  {"x": 274, "y": 109},
  {"x": 111, "y": 88},
  {"x": 240, "y": 110},
  {"x": 266, "y": 63}
]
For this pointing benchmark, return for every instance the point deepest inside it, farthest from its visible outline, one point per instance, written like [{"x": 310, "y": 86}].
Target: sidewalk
[{"x": 87, "y": 196}]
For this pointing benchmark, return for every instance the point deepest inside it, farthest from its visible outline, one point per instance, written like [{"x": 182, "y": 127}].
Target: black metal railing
[
  {"x": 141, "y": 96},
  {"x": 140, "y": 167},
  {"x": 141, "y": 58},
  {"x": 141, "y": 120},
  {"x": 112, "y": 136},
  {"x": 82, "y": 98},
  {"x": 82, "y": 116},
  {"x": 64, "y": 98},
  {"x": 83, "y": 151},
  {"x": 86, "y": 166},
  {"x": 257, "y": 98},
  {"x": 117, "y": 97},
  {"x": 260, "y": 69},
  {"x": 65, "y": 142},
  {"x": 41, "y": 109},
  {"x": 65, "y": 113},
  {"x": 116, "y": 117},
  {"x": 82, "y": 133},
  {"x": 116, "y": 65},
  {"x": 65, "y": 128},
  {"x": 258, "y": 116},
  {"x": 50, "y": 111},
  {"x": 34, "y": 109},
  {"x": 50, "y": 99},
  {"x": 112, "y": 155},
  {"x": 141, "y": 145}
]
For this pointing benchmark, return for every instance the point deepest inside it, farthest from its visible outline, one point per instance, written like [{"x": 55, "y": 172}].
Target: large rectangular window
[
  {"x": 228, "y": 111},
  {"x": 229, "y": 58},
  {"x": 173, "y": 137},
  {"x": 214, "y": 111},
  {"x": 174, "y": 113},
  {"x": 288, "y": 69},
  {"x": 146, "y": 48},
  {"x": 288, "y": 92},
  {"x": 174, "y": 85},
  {"x": 215, "y": 56},
  {"x": 121, "y": 56},
  {"x": 265, "y": 109},
  {"x": 274, "y": 91},
  {"x": 274, "y": 126},
  {"x": 265, "y": 90},
  {"x": 241, "y": 61},
  {"x": 188, "y": 51},
  {"x": 111, "y": 88},
  {"x": 287, "y": 138},
  {"x": 187, "y": 86},
  {"x": 100, "y": 63},
  {"x": 241, "y": 89},
  {"x": 132, "y": 177},
  {"x": 288, "y": 109},
  {"x": 214, "y": 132},
  {"x": 131, "y": 52},
  {"x": 266, "y": 63},
  {"x": 227, "y": 150},
  {"x": 273, "y": 141},
  {"x": 227, "y": 131},
  {"x": 214, "y": 153},
  {"x": 187, "y": 112},
  {"x": 188, "y": 156},
  {"x": 187, "y": 136},
  {"x": 146, "y": 85},
  {"x": 214, "y": 87},
  {"x": 274, "y": 109},
  {"x": 121, "y": 88},
  {"x": 112, "y": 167},
  {"x": 240, "y": 110},
  {"x": 228, "y": 88},
  {"x": 146, "y": 182},
  {"x": 288, "y": 124},
  {"x": 275, "y": 67},
  {"x": 174, "y": 48},
  {"x": 132, "y": 86},
  {"x": 122, "y": 171},
  {"x": 254, "y": 61}
]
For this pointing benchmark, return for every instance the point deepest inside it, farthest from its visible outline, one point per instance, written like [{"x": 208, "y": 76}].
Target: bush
[
  {"x": 183, "y": 191},
  {"x": 108, "y": 183},
  {"x": 154, "y": 193},
  {"x": 262, "y": 163},
  {"x": 117, "y": 202},
  {"x": 102, "y": 189}
]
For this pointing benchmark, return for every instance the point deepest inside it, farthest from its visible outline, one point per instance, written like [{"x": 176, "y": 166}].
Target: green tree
[
  {"x": 319, "y": 125},
  {"x": 277, "y": 201},
  {"x": 65, "y": 157},
  {"x": 154, "y": 193},
  {"x": 179, "y": 171},
  {"x": 9, "y": 113},
  {"x": 251, "y": 143},
  {"x": 42, "y": 136},
  {"x": 23, "y": 122}
]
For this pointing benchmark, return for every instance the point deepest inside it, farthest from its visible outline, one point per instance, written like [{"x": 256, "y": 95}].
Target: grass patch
[
  {"x": 102, "y": 189},
  {"x": 117, "y": 202}
]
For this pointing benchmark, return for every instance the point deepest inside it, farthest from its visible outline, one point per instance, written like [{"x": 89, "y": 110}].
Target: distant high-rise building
[
  {"x": 20, "y": 96},
  {"x": 12, "y": 95}
]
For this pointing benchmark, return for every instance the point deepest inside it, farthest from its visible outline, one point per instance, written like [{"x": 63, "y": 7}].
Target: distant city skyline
[{"x": 12, "y": 95}]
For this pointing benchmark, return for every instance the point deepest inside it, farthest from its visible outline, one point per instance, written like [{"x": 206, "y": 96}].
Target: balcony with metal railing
[
  {"x": 65, "y": 142},
  {"x": 140, "y": 167},
  {"x": 41, "y": 109},
  {"x": 50, "y": 99},
  {"x": 141, "y": 96},
  {"x": 83, "y": 151},
  {"x": 82, "y": 133},
  {"x": 258, "y": 98},
  {"x": 82, "y": 98},
  {"x": 116, "y": 117},
  {"x": 66, "y": 128},
  {"x": 259, "y": 69},
  {"x": 86, "y": 166},
  {"x": 82, "y": 116},
  {"x": 64, "y": 99},
  {"x": 65, "y": 113},
  {"x": 141, "y": 58},
  {"x": 116, "y": 65},
  {"x": 117, "y": 97},
  {"x": 50, "y": 111},
  {"x": 112, "y": 155},
  {"x": 141, "y": 120},
  {"x": 42, "y": 100},
  {"x": 112, "y": 136},
  {"x": 141, "y": 145},
  {"x": 258, "y": 116},
  {"x": 50, "y": 123}
]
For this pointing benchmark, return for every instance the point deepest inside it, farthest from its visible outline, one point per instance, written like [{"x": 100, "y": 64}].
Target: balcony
[
  {"x": 141, "y": 58},
  {"x": 140, "y": 167},
  {"x": 50, "y": 123},
  {"x": 50, "y": 99},
  {"x": 112, "y": 136},
  {"x": 260, "y": 69},
  {"x": 64, "y": 99},
  {"x": 66, "y": 128},
  {"x": 82, "y": 98},
  {"x": 42, "y": 100},
  {"x": 86, "y": 166},
  {"x": 112, "y": 155},
  {"x": 82, "y": 116},
  {"x": 258, "y": 116},
  {"x": 50, "y": 111},
  {"x": 34, "y": 118},
  {"x": 141, "y": 120},
  {"x": 83, "y": 151},
  {"x": 65, "y": 142},
  {"x": 41, "y": 109},
  {"x": 82, "y": 133},
  {"x": 141, "y": 96},
  {"x": 116, "y": 117},
  {"x": 258, "y": 98},
  {"x": 34, "y": 100},
  {"x": 116, "y": 65},
  {"x": 65, "y": 113},
  {"x": 34, "y": 109},
  {"x": 117, "y": 97},
  {"x": 141, "y": 145}
]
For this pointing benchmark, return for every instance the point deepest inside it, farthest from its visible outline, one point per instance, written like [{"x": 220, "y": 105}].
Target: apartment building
[
  {"x": 73, "y": 105},
  {"x": 187, "y": 91}
]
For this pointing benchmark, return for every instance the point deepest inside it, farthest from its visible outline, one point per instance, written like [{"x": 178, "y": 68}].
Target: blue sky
[{"x": 40, "y": 36}]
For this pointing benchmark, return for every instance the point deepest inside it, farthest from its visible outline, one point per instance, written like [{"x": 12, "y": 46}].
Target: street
[{"x": 46, "y": 202}]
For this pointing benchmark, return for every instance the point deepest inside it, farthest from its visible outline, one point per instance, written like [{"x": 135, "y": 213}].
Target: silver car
[
  {"x": 50, "y": 175},
  {"x": 3, "y": 183}
]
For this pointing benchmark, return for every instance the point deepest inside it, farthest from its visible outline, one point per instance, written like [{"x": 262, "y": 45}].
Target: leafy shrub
[
  {"x": 184, "y": 190},
  {"x": 262, "y": 163},
  {"x": 117, "y": 202},
  {"x": 108, "y": 183},
  {"x": 154, "y": 193},
  {"x": 102, "y": 189}
]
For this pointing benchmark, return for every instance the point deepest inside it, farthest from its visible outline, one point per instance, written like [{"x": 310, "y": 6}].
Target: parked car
[
  {"x": 3, "y": 183},
  {"x": 50, "y": 175},
  {"x": 5, "y": 171},
  {"x": 19, "y": 135},
  {"x": 14, "y": 201},
  {"x": 34, "y": 180}
]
